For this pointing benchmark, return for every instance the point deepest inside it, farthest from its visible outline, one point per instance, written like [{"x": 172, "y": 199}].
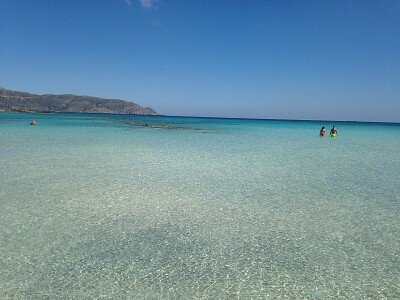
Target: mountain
[{"x": 26, "y": 102}]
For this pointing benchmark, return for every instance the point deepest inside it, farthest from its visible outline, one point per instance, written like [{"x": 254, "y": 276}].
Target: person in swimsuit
[
  {"x": 334, "y": 131},
  {"x": 322, "y": 132},
  {"x": 33, "y": 122}
]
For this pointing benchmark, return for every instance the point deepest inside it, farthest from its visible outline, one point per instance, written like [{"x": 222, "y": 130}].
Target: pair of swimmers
[{"x": 333, "y": 132}]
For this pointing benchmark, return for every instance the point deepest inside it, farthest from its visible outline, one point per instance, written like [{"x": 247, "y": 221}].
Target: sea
[{"x": 96, "y": 206}]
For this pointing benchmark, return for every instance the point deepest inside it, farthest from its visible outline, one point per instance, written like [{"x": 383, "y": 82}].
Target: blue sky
[{"x": 332, "y": 60}]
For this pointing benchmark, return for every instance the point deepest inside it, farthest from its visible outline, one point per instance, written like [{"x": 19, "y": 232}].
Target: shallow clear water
[{"x": 102, "y": 206}]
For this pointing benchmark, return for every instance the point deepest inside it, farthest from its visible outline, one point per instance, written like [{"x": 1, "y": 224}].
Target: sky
[{"x": 319, "y": 60}]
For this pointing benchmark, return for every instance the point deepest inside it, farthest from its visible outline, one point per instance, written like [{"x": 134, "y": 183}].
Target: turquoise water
[{"x": 102, "y": 206}]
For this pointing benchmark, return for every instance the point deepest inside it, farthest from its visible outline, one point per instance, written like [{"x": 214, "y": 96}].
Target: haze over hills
[{"x": 22, "y": 101}]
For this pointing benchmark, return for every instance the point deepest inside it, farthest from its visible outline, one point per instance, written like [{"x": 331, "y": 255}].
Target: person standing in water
[
  {"x": 334, "y": 131},
  {"x": 322, "y": 132}
]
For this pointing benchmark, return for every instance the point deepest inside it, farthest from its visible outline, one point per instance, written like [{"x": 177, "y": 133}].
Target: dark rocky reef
[{"x": 26, "y": 102}]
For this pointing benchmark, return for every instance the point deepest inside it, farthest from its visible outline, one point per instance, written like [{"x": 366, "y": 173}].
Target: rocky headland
[{"x": 14, "y": 101}]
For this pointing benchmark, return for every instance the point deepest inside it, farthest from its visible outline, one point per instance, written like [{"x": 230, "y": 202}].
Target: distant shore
[
  {"x": 15, "y": 101},
  {"x": 26, "y": 111},
  {"x": 19, "y": 111}
]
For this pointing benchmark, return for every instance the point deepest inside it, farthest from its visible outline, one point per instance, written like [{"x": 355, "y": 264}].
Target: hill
[{"x": 26, "y": 102}]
